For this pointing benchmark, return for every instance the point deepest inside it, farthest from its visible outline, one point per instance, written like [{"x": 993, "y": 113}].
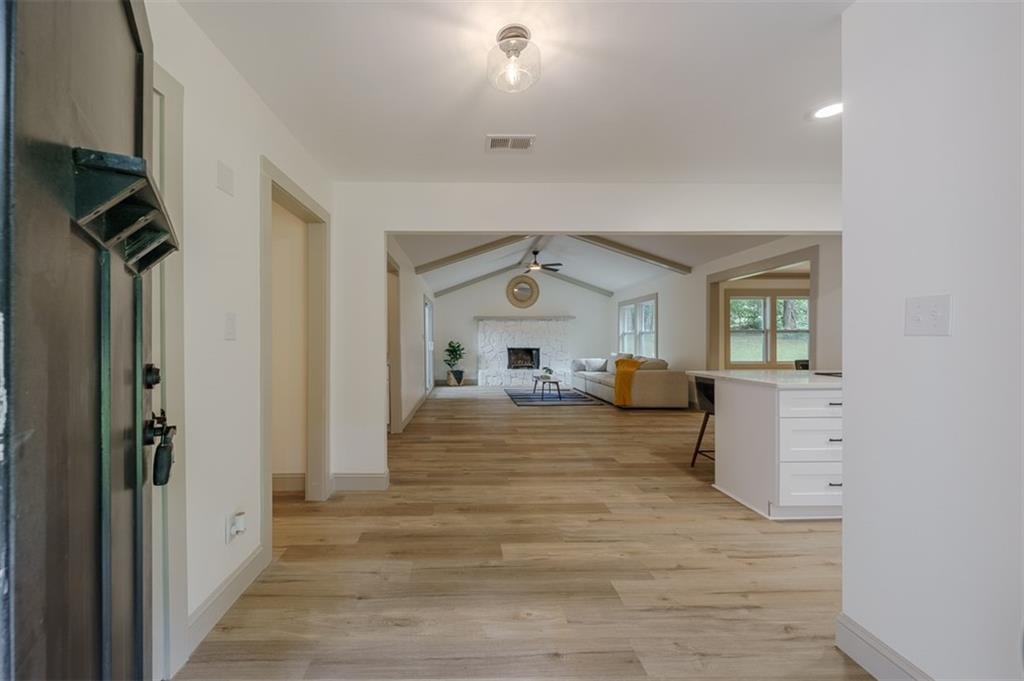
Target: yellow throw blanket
[{"x": 625, "y": 369}]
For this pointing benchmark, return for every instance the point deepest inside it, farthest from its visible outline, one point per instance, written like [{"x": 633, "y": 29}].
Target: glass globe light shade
[{"x": 513, "y": 64}]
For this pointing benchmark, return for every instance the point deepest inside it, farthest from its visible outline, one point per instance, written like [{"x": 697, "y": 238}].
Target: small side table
[{"x": 546, "y": 382}]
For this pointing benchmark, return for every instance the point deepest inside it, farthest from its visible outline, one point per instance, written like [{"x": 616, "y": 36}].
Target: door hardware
[{"x": 151, "y": 376}]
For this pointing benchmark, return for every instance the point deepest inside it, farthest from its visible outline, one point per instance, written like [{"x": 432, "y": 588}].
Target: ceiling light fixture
[
  {"x": 829, "y": 111},
  {"x": 513, "y": 64}
]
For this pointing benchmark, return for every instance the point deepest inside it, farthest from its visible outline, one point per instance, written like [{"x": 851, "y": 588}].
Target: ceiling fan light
[{"x": 513, "y": 65}]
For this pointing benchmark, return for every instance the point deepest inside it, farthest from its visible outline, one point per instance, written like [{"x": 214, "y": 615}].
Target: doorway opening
[
  {"x": 428, "y": 344},
  {"x": 294, "y": 363},
  {"x": 290, "y": 310},
  {"x": 763, "y": 315},
  {"x": 394, "y": 348}
]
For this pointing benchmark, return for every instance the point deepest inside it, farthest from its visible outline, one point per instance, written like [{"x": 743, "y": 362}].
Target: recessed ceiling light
[
  {"x": 514, "y": 63},
  {"x": 829, "y": 111}
]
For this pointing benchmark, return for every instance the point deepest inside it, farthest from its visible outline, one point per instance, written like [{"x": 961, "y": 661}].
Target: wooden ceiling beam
[
  {"x": 469, "y": 253},
  {"x": 636, "y": 253}
]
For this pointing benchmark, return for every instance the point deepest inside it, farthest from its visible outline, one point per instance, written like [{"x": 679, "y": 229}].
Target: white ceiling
[
  {"x": 583, "y": 261},
  {"x": 630, "y": 91}
]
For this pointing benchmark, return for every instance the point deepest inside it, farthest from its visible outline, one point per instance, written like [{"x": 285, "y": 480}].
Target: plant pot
[{"x": 455, "y": 377}]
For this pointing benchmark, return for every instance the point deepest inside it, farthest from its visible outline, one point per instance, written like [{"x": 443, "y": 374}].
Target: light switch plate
[
  {"x": 929, "y": 316},
  {"x": 230, "y": 326}
]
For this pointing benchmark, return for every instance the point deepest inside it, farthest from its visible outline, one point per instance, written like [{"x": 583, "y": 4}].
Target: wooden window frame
[
  {"x": 771, "y": 332},
  {"x": 652, "y": 297}
]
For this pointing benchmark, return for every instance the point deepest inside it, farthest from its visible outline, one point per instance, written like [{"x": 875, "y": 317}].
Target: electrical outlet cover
[{"x": 929, "y": 316}]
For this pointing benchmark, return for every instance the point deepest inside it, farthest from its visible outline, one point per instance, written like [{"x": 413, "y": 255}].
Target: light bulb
[{"x": 512, "y": 71}]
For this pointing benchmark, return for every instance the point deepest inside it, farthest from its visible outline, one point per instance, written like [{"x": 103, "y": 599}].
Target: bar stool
[{"x": 706, "y": 403}]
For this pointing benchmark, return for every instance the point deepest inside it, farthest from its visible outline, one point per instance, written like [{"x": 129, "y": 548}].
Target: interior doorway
[
  {"x": 428, "y": 343},
  {"x": 763, "y": 315},
  {"x": 313, "y": 239},
  {"x": 290, "y": 309},
  {"x": 395, "y": 420}
]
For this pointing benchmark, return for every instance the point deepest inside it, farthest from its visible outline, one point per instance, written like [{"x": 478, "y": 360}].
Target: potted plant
[
  {"x": 453, "y": 355},
  {"x": 547, "y": 372}
]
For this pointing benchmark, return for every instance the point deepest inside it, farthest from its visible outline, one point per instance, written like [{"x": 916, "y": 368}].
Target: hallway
[{"x": 536, "y": 542}]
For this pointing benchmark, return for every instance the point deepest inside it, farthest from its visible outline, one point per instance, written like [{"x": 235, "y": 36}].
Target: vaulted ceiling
[
  {"x": 606, "y": 263},
  {"x": 630, "y": 91}
]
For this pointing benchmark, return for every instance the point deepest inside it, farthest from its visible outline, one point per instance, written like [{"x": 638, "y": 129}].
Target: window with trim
[
  {"x": 638, "y": 326},
  {"x": 767, "y": 329}
]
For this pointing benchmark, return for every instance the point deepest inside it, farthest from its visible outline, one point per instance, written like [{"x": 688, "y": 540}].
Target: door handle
[
  {"x": 835, "y": 439},
  {"x": 835, "y": 484},
  {"x": 163, "y": 458},
  {"x": 156, "y": 427}
]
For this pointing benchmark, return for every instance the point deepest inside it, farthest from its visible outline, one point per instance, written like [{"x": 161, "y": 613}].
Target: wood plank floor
[{"x": 536, "y": 543}]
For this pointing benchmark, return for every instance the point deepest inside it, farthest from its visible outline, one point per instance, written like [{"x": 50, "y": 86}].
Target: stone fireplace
[
  {"x": 524, "y": 358},
  {"x": 510, "y": 350}
]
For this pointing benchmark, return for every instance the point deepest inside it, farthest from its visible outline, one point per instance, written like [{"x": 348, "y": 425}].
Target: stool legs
[{"x": 697, "y": 451}]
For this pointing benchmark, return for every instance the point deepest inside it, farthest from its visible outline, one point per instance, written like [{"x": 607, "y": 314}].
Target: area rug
[{"x": 524, "y": 397}]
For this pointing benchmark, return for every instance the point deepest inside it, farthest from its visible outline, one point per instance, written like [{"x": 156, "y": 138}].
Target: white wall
[
  {"x": 365, "y": 212},
  {"x": 932, "y": 425},
  {"x": 587, "y": 334},
  {"x": 289, "y": 361},
  {"x": 412, "y": 290},
  {"x": 682, "y": 301},
  {"x": 224, "y": 120}
]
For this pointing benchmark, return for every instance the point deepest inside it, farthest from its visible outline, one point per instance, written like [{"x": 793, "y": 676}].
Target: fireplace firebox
[{"x": 524, "y": 358}]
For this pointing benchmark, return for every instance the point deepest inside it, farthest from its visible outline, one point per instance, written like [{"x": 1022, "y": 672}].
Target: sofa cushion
[
  {"x": 614, "y": 356},
  {"x": 595, "y": 364},
  {"x": 653, "y": 365},
  {"x": 604, "y": 378}
]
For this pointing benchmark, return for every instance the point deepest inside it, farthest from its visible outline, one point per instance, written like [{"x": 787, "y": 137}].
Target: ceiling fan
[{"x": 550, "y": 267}]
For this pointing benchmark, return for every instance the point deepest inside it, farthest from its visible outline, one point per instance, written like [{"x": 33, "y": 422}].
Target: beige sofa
[{"x": 653, "y": 386}]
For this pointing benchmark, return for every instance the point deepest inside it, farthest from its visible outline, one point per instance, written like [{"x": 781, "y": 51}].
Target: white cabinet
[
  {"x": 810, "y": 403},
  {"x": 811, "y": 483},
  {"x": 810, "y": 453},
  {"x": 810, "y": 439},
  {"x": 779, "y": 441}
]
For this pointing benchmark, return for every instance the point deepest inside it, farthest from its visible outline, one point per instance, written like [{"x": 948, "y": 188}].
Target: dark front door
[{"x": 84, "y": 227}]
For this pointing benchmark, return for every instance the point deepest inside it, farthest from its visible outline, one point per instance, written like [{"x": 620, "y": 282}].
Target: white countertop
[{"x": 783, "y": 379}]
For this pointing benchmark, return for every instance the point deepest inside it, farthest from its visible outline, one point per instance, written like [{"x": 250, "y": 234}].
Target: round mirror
[{"x": 522, "y": 291}]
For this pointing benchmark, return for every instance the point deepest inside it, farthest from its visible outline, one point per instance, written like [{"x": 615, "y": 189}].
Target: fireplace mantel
[{"x": 559, "y": 318}]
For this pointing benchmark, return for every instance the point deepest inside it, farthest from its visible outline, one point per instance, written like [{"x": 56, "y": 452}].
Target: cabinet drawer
[
  {"x": 810, "y": 403},
  {"x": 811, "y": 439},
  {"x": 818, "y": 483}
]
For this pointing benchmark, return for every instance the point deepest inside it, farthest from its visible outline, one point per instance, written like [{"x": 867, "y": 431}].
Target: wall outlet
[
  {"x": 929, "y": 316},
  {"x": 230, "y": 326},
  {"x": 235, "y": 526}
]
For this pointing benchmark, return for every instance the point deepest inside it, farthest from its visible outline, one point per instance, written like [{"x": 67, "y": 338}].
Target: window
[
  {"x": 767, "y": 329},
  {"x": 638, "y": 326}
]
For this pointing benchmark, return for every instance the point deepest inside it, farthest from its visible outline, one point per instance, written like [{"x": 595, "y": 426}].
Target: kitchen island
[{"x": 779, "y": 441}]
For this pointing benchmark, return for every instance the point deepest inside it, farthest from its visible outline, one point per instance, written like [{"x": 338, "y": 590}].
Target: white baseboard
[
  {"x": 289, "y": 482},
  {"x": 360, "y": 482},
  {"x": 878, "y": 659},
  {"x": 416, "y": 408},
  {"x": 205, "y": 618}
]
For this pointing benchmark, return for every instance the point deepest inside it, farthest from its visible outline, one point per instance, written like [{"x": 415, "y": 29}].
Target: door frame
[
  {"x": 277, "y": 187},
  {"x": 716, "y": 356},
  {"x": 394, "y": 313},
  {"x": 428, "y": 344},
  {"x": 170, "y": 546}
]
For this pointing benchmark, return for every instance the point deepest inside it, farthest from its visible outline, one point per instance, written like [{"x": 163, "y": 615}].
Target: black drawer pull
[
  {"x": 835, "y": 484},
  {"x": 835, "y": 404},
  {"x": 835, "y": 439}
]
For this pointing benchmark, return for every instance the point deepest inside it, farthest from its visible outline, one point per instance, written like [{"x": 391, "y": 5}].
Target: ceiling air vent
[{"x": 510, "y": 142}]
